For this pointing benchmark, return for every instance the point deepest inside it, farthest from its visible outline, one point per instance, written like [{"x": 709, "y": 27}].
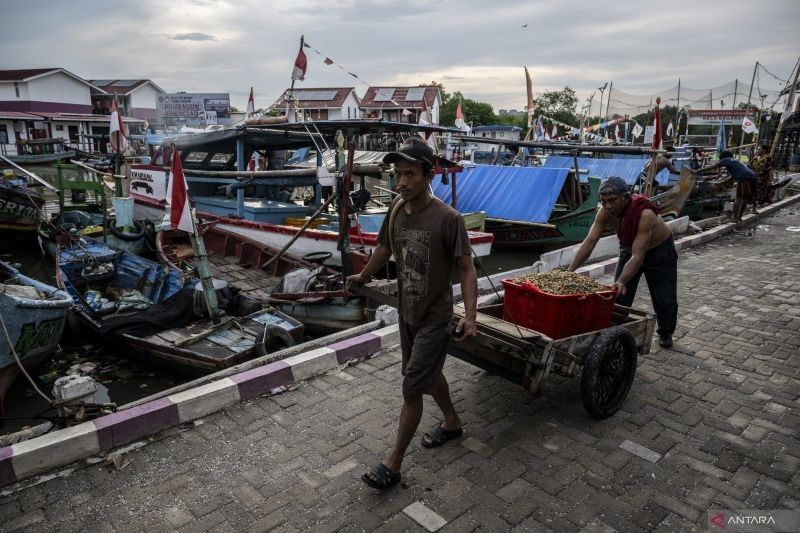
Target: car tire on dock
[{"x": 608, "y": 370}]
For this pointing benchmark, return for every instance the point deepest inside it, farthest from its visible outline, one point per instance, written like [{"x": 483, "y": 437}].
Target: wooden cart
[{"x": 607, "y": 357}]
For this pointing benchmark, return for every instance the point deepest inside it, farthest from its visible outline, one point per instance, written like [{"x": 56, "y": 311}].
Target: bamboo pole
[{"x": 749, "y": 96}]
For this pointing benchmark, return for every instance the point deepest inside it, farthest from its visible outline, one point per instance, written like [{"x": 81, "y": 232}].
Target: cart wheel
[{"x": 608, "y": 370}]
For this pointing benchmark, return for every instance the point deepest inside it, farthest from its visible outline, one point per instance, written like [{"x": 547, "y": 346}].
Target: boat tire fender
[{"x": 140, "y": 231}]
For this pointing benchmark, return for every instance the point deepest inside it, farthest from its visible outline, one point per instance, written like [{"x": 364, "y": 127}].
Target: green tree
[
  {"x": 560, "y": 105},
  {"x": 475, "y": 112}
]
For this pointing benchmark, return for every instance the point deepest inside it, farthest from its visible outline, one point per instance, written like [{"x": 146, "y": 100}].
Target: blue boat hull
[{"x": 33, "y": 316}]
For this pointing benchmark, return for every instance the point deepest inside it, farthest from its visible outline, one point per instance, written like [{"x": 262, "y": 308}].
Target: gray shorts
[{"x": 424, "y": 349}]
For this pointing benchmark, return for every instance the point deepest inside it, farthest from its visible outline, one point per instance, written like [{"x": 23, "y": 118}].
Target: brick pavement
[{"x": 711, "y": 423}]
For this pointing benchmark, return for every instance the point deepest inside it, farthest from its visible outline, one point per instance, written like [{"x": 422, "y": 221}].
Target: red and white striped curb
[{"x": 62, "y": 447}]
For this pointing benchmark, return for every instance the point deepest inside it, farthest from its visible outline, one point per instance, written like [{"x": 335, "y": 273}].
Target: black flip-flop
[
  {"x": 381, "y": 477},
  {"x": 439, "y": 436}
]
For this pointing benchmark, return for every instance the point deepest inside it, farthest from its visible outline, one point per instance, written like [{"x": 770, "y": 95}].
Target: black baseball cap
[
  {"x": 414, "y": 150},
  {"x": 614, "y": 185}
]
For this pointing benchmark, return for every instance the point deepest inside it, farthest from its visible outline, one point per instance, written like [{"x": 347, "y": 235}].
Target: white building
[
  {"x": 135, "y": 98},
  {"x": 332, "y": 103}
]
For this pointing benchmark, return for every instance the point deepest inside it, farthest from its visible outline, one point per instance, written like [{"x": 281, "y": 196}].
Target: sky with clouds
[{"x": 476, "y": 47}]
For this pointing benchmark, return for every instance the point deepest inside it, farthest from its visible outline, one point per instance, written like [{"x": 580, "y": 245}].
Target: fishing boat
[
  {"x": 240, "y": 201},
  {"x": 304, "y": 288},
  {"x": 526, "y": 207},
  {"x": 157, "y": 312},
  {"x": 32, "y": 315},
  {"x": 20, "y": 206},
  {"x": 40, "y": 152}
]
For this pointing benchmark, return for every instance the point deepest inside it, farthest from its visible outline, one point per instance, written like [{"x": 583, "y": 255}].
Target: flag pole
[
  {"x": 201, "y": 258},
  {"x": 291, "y": 89}
]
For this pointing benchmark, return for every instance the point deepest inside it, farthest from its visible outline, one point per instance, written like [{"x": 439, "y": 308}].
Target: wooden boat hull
[
  {"x": 40, "y": 159},
  {"x": 20, "y": 207},
  {"x": 34, "y": 324},
  {"x": 196, "y": 347},
  {"x": 315, "y": 240},
  {"x": 325, "y": 311}
]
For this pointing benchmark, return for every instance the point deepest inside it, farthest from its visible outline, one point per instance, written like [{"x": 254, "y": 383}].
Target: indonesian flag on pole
[
  {"x": 748, "y": 126},
  {"x": 116, "y": 131},
  {"x": 300, "y": 66},
  {"x": 670, "y": 129},
  {"x": 616, "y": 131},
  {"x": 657, "y": 141},
  {"x": 406, "y": 112},
  {"x": 251, "y": 106},
  {"x": 459, "y": 116},
  {"x": 554, "y": 133},
  {"x": 180, "y": 214}
]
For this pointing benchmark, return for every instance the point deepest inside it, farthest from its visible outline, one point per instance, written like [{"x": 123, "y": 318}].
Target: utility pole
[
  {"x": 678, "y": 112},
  {"x": 608, "y": 104},
  {"x": 600, "y": 114}
]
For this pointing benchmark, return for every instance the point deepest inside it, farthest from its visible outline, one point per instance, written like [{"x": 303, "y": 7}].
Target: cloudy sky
[{"x": 476, "y": 47}]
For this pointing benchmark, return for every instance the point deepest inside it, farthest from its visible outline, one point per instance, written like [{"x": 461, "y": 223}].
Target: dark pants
[
  {"x": 424, "y": 349},
  {"x": 660, "y": 269}
]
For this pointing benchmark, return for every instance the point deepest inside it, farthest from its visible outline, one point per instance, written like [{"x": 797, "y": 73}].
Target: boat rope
[{"x": 19, "y": 363}]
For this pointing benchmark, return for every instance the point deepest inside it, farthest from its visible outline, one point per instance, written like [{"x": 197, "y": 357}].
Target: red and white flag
[
  {"x": 146, "y": 125},
  {"x": 657, "y": 141},
  {"x": 616, "y": 131},
  {"x": 251, "y": 107},
  {"x": 670, "y": 129},
  {"x": 180, "y": 211},
  {"x": 406, "y": 112},
  {"x": 116, "y": 130},
  {"x": 748, "y": 126},
  {"x": 300, "y": 66}
]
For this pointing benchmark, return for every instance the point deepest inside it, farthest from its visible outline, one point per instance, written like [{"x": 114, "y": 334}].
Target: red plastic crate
[{"x": 557, "y": 316}]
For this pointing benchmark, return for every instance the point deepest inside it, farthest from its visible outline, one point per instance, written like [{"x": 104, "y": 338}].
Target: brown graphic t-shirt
[{"x": 426, "y": 247}]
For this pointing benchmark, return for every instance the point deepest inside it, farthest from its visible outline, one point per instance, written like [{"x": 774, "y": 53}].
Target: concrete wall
[
  {"x": 7, "y": 92},
  {"x": 60, "y": 88},
  {"x": 143, "y": 102}
]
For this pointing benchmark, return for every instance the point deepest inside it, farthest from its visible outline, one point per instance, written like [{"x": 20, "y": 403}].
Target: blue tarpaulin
[
  {"x": 627, "y": 169},
  {"x": 512, "y": 193}
]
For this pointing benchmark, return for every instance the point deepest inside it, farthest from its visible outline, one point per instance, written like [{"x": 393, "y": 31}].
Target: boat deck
[{"x": 253, "y": 282}]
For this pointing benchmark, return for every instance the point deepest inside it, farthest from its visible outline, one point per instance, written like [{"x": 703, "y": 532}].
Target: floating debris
[{"x": 562, "y": 282}]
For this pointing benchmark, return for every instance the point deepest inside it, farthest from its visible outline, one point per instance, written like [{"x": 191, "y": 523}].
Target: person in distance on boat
[
  {"x": 646, "y": 247},
  {"x": 662, "y": 161},
  {"x": 745, "y": 180},
  {"x": 427, "y": 237}
]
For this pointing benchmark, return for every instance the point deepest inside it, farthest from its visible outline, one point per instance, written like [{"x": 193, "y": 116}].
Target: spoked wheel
[{"x": 608, "y": 370}]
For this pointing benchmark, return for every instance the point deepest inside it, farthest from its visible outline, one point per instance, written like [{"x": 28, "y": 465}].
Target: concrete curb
[{"x": 62, "y": 447}]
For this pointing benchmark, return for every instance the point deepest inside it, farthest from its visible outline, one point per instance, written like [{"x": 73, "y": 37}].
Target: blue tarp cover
[
  {"x": 511, "y": 193},
  {"x": 627, "y": 169}
]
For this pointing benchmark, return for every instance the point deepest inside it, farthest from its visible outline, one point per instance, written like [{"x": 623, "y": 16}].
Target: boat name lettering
[
  {"x": 35, "y": 336},
  {"x": 142, "y": 175},
  {"x": 14, "y": 208}
]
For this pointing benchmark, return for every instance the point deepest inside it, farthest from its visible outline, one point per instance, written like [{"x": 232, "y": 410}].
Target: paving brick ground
[{"x": 712, "y": 423}]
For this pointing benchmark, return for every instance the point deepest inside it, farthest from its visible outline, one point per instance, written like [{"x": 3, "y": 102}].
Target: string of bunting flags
[{"x": 328, "y": 61}]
